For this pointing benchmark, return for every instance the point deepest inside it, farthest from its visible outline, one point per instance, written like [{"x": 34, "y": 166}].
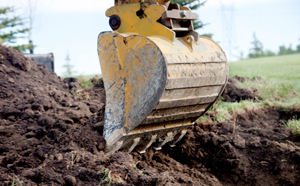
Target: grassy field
[
  {"x": 280, "y": 85},
  {"x": 278, "y": 69},
  {"x": 281, "y": 76}
]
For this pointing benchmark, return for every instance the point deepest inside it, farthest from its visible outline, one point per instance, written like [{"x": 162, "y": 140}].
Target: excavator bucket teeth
[{"x": 155, "y": 89}]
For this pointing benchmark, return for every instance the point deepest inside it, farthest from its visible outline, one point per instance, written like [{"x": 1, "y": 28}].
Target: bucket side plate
[{"x": 134, "y": 74}]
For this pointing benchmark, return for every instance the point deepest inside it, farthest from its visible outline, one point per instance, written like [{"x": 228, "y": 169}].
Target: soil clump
[
  {"x": 51, "y": 134},
  {"x": 233, "y": 93}
]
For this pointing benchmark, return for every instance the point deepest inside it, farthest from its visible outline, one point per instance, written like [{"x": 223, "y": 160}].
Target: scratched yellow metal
[
  {"x": 124, "y": 2},
  {"x": 130, "y": 22},
  {"x": 129, "y": 80},
  {"x": 156, "y": 83}
]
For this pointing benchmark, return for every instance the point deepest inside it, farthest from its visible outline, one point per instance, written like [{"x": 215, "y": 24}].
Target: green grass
[
  {"x": 227, "y": 109},
  {"x": 87, "y": 77},
  {"x": 281, "y": 78},
  {"x": 85, "y": 81},
  {"x": 106, "y": 178},
  {"x": 280, "y": 84},
  {"x": 294, "y": 125},
  {"x": 13, "y": 183},
  {"x": 278, "y": 69},
  {"x": 271, "y": 90}
]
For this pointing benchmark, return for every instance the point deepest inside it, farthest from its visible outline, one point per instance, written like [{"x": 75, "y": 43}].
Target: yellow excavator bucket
[{"x": 159, "y": 74}]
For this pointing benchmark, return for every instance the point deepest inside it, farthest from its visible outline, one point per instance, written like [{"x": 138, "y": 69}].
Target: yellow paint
[
  {"x": 146, "y": 26},
  {"x": 115, "y": 71},
  {"x": 148, "y": 128},
  {"x": 124, "y": 2},
  {"x": 131, "y": 52},
  {"x": 133, "y": 44},
  {"x": 174, "y": 52}
]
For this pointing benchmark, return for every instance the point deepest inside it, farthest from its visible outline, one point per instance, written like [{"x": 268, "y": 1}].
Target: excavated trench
[{"x": 51, "y": 134}]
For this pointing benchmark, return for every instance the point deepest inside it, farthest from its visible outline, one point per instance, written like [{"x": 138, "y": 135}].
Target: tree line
[{"x": 257, "y": 50}]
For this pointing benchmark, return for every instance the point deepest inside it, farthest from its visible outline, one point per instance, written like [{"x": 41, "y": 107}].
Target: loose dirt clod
[
  {"x": 51, "y": 134},
  {"x": 232, "y": 93}
]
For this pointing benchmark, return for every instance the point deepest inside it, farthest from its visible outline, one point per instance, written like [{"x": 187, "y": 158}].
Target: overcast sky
[{"x": 72, "y": 27}]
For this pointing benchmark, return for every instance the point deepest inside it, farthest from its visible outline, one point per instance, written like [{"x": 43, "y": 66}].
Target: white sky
[{"x": 70, "y": 26}]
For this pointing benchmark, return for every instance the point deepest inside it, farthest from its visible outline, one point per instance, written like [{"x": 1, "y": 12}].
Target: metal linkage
[{"x": 179, "y": 19}]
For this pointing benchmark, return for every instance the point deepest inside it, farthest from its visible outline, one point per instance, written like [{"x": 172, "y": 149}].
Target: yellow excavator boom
[{"x": 159, "y": 74}]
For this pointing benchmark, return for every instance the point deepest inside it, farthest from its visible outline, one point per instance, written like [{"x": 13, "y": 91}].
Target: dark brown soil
[
  {"x": 51, "y": 134},
  {"x": 253, "y": 149},
  {"x": 232, "y": 93}
]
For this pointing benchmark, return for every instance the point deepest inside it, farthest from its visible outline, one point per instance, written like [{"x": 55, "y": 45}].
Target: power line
[{"x": 228, "y": 28}]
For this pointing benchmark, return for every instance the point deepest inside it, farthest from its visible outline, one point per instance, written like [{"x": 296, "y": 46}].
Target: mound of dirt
[
  {"x": 253, "y": 149},
  {"x": 232, "y": 93},
  {"x": 42, "y": 124},
  {"x": 51, "y": 134}
]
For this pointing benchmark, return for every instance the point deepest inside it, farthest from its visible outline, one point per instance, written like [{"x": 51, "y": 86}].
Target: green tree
[
  {"x": 298, "y": 48},
  {"x": 282, "y": 50},
  {"x": 257, "y": 50},
  {"x": 290, "y": 50},
  {"x": 69, "y": 68},
  {"x": 269, "y": 53},
  {"x": 193, "y": 5},
  {"x": 11, "y": 29},
  {"x": 285, "y": 51}
]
